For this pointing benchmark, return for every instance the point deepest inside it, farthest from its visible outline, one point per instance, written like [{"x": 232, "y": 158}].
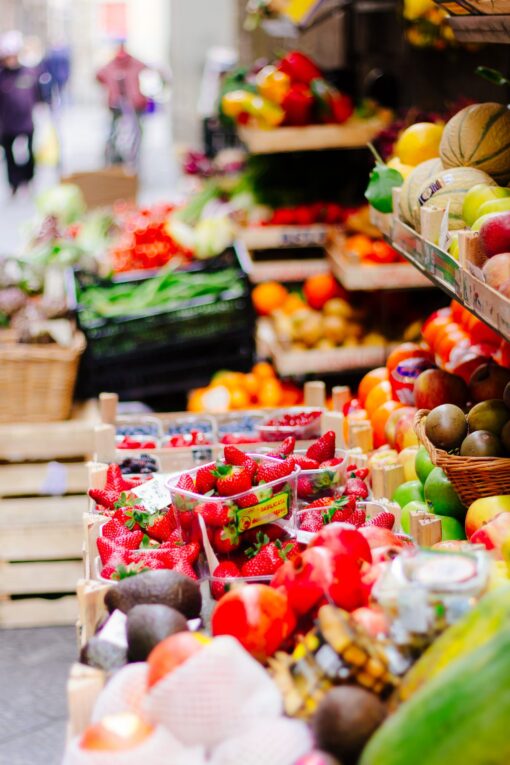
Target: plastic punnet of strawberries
[{"x": 133, "y": 540}]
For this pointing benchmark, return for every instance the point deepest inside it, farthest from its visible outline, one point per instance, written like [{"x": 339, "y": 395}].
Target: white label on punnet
[{"x": 153, "y": 494}]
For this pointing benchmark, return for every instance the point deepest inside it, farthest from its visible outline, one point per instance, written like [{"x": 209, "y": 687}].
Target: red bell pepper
[
  {"x": 297, "y": 105},
  {"x": 341, "y": 107},
  {"x": 299, "y": 67}
]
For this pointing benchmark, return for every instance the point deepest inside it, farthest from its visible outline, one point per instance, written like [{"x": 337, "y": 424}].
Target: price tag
[
  {"x": 153, "y": 494},
  {"x": 443, "y": 230}
]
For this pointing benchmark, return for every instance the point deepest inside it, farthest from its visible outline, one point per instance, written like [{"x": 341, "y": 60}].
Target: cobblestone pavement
[{"x": 34, "y": 665}]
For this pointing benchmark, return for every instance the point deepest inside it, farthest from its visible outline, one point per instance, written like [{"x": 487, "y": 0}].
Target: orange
[
  {"x": 239, "y": 398},
  {"x": 433, "y": 328},
  {"x": 293, "y": 303},
  {"x": 405, "y": 351},
  {"x": 448, "y": 341},
  {"x": 371, "y": 379},
  {"x": 267, "y": 297},
  {"x": 320, "y": 288},
  {"x": 379, "y": 418},
  {"x": 262, "y": 370},
  {"x": 270, "y": 393},
  {"x": 195, "y": 400},
  {"x": 251, "y": 384},
  {"x": 360, "y": 244},
  {"x": 378, "y": 395},
  {"x": 230, "y": 380},
  {"x": 456, "y": 309}
]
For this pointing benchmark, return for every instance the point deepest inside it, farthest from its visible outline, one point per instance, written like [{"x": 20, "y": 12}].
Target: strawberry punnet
[
  {"x": 266, "y": 557},
  {"x": 205, "y": 480}
]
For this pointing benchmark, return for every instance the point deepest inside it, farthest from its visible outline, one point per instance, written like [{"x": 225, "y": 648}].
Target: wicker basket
[
  {"x": 37, "y": 381},
  {"x": 472, "y": 477}
]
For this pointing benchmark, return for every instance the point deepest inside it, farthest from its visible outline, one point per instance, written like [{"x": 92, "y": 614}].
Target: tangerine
[
  {"x": 239, "y": 398},
  {"x": 449, "y": 340},
  {"x": 371, "y": 379},
  {"x": 263, "y": 370},
  {"x": 269, "y": 296},
  {"x": 360, "y": 244},
  {"x": 320, "y": 288},
  {"x": 405, "y": 351},
  {"x": 378, "y": 395},
  {"x": 379, "y": 419},
  {"x": 433, "y": 327},
  {"x": 293, "y": 303},
  {"x": 270, "y": 393},
  {"x": 251, "y": 384}
]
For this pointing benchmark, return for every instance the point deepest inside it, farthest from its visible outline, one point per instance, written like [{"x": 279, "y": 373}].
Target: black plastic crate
[{"x": 197, "y": 321}]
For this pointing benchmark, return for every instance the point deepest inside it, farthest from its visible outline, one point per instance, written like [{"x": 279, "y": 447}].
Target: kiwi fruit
[
  {"x": 147, "y": 625},
  {"x": 446, "y": 426},
  {"x": 481, "y": 443},
  {"x": 345, "y": 720},
  {"x": 160, "y": 586}
]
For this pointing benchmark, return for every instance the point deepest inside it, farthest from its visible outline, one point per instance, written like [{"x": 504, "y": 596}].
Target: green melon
[
  {"x": 411, "y": 186},
  {"x": 479, "y": 137},
  {"x": 449, "y": 187}
]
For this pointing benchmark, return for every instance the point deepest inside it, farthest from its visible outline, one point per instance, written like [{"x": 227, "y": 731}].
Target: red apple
[
  {"x": 404, "y": 432},
  {"x": 435, "y": 387},
  {"x": 116, "y": 733},
  {"x": 497, "y": 270},
  {"x": 493, "y": 534},
  {"x": 488, "y": 381},
  {"x": 343, "y": 538},
  {"x": 495, "y": 234},
  {"x": 483, "y": 510},
  {"x": 464, "y": 361},
  {"x": 390, "y": 429},
  {"x": 171, "y": 653}
]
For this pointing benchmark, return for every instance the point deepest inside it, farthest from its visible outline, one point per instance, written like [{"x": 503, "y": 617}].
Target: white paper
[{"x": 153, "y": 494}]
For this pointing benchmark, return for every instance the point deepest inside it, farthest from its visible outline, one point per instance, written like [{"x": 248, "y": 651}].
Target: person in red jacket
[{"x": 121, "y": 78}]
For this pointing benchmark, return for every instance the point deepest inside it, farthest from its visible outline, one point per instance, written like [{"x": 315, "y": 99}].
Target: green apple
[
  {"x": 407, "y": 492},
  {"x": 412, "y": 507},
  {"x": 441, "y": 495},
  {"x": 423, "y": 464},
  {"x": 451, "y": 528},
  {"x": 477, "y": 196},
  {"x": 495, "y": 205},
  {"x": 453, "y": 249}
]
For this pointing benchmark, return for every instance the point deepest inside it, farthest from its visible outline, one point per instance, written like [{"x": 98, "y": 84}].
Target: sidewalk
[{"x": 83, "y": 131}]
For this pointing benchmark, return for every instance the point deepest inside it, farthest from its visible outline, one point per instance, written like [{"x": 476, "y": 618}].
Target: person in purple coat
[{"x": 19, "y": 92}]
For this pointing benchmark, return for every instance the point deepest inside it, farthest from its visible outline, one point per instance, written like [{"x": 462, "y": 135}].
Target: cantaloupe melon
[
  {"x": 412, "y": 185},
  {"x": 449, "y": 187},
  {"x": 479, "y": 137}
]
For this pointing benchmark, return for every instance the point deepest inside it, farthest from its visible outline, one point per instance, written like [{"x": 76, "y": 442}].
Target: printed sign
[
  {"x": 153, "y": 494},
  {"x": 265, "y": 512}
]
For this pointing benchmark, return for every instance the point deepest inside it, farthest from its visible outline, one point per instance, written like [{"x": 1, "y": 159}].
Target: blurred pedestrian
[
  {"x": 121, "y": 78},
  {"x": 19, "y": 92}
]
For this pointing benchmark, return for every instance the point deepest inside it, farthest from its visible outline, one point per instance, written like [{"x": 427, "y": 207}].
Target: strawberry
[
  {"x": 205, "y": 481},
  {"x": 125, "y": 516},
  {"x": 248, "y": 500},
  {"x": 340, "y": 511},
  {"x": 353, "y": 471},
  {"x": 115, "y": 481},
  {"x": 185, "y": 568},
  {"x": 331, "y": 463},
  {"x": 185, "y": 483},
  {"x": 311, "y": 521},
  {"x": 234, "y": 456},
  {"x": 107, "y": 572},
  {"x": 271, "y": 530},
  {"x": 285, "y": 449},
  {"x": 109, "y": 550},
  {"x": 103, "y": 497},
  {"x": 322, "y": 502},
  {"x": 324, "y": 448},
  {"x": 225, "y": 570},
  {"x": 175, "y": 538},
  {"x": 272, "y": 471},
  {"x": 266, "y": 557},
  {"x": 358, "y": 518},
  {"x": 384, "y": 520},
  {"x": 232, "y": 480},
  {"x": 226, "y": 540},
  {"x": 356, "y": 487},
  {"x": 214, "y": 513},
  {"x": 304, "y": 462},
  {"x": 160, "y": 525},
  {"x": 305, "y": 488},
  {"x": 148, "y": 556},
  {"x": 113, "y": 529},
  {"x": 126, "y": 570}
]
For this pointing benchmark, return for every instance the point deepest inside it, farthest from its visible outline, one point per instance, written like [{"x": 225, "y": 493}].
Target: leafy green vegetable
[
  {"x": 382, "y": 181},
  {"x": 65, "y": 201},
  {"x": 492, "y": 75}
]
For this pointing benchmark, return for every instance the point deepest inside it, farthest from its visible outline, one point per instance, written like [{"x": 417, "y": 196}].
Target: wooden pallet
[{"x": 41, "y": 509}]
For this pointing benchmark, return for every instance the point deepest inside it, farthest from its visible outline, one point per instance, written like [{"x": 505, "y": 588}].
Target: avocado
[
  {"x": 481, "y": 443},
  {"x": 446, "y": 426},
  {"x": 491, "y": 415},
  {"x": 345, "y": 720},
  {"x": 160, "y": 586},
  {"x": 147, "y": 625}
]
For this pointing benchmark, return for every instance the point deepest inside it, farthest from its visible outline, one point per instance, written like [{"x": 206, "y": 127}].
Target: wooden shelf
[
  {"x": 481, "y": 29},
  {"x": 289, "y": 269},
  {"x": 353, "y": 134}
]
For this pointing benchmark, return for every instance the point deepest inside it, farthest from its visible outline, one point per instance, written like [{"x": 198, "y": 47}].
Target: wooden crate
[{"x": 41, "y": 509}]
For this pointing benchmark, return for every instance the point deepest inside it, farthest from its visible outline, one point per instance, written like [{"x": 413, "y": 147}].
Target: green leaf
[
  {"x": 379, "y": 190},
  {"x": 492, "y": 75}
]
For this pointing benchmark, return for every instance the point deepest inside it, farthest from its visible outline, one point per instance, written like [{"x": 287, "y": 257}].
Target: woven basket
[
  {"x": 472, "y": 477},
  {"x": 37, "y": 381}
]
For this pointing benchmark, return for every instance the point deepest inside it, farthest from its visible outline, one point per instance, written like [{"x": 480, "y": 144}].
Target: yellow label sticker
[
  {"x": 265, "y": 512},
  {"x": 299, "y": 10}
]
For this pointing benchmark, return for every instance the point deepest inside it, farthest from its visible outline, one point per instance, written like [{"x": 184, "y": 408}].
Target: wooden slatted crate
[{"x": 41, "y": 510}]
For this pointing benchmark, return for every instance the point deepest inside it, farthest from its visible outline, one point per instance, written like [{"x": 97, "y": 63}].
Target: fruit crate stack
[{"x": 43, "y": 484}]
